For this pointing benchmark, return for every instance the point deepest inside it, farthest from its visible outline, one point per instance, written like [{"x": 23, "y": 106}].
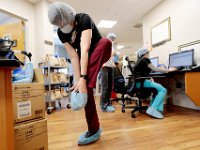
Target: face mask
[{"x": 67, "y": 29}]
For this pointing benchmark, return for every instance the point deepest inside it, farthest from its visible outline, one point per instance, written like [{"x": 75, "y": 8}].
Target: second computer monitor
[
  {"x": 182, "y": 59},
  {"x": 154, "y": 61}
]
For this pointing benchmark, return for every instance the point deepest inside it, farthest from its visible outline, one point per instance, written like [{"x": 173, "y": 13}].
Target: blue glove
[{"x": 78, "y": 100}]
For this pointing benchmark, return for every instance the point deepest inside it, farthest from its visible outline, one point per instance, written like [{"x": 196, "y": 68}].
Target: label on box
[
  {"x": 23, "y": 109},
  {"x": 25, "y": 94}
]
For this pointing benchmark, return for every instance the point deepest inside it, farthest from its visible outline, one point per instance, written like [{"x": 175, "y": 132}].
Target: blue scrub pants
[{"x": 158, "y": 101}]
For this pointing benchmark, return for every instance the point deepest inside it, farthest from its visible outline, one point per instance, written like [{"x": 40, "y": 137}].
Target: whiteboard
[
  {"x": 161, "y": 32},
  {"x": 192, "y": 45}
]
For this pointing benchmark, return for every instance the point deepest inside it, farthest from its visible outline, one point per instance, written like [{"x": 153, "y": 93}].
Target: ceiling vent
[{"x": 138, "y": 25}]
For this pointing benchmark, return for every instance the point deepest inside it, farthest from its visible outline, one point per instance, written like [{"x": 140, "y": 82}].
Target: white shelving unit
[{"x": 49, "y": 85}]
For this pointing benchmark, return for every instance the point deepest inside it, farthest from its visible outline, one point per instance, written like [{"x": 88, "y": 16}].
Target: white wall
[
  {"x": 44, "y": 30},
  {"x": 24, "y": 10},
  {"x": 185, "y": 27},
  {"x": 48, "y": 30},
  {"x": 39, "y": 28}
]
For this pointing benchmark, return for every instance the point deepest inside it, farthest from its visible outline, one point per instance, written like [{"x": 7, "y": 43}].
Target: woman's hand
[
  {"x": 152, "y": 80},
  {"x": 73, "y": 87},
  {"x": 172, "y": 69},
  {"x": 81, "y": 86}
]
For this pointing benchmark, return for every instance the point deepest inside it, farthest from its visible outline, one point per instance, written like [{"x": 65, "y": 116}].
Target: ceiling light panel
[{"x": 106, "y": 24}]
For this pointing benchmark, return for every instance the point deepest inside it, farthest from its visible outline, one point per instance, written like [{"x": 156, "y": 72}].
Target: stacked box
[
  {"x": 31, "y": 136},
  {"x": 28, "y": 99},
  {"x": 30, "y": 126}
]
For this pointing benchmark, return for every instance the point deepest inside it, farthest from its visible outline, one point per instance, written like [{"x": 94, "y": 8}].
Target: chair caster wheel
[
  {"x": 68, "y": 106},
  {"x": 123, "y": 110},
  {"x": 49, "y": 111},
  {"x": 133, "y": 116}
]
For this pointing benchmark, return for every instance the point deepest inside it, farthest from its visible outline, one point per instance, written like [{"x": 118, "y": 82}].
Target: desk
[
  {"x": 192, "y": 86},
  {"x": 192, "y": 83},
  {"x": 6, "y": 107}
]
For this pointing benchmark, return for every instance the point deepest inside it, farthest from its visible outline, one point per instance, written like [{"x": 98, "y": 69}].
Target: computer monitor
[
  {"x": 182, "y": 59},
  {"x": 154, "y": 61}
]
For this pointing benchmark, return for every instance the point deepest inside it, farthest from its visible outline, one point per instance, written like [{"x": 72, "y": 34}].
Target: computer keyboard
[
  {"x": 183, "y": 69},
  {"x": 188, "y": 69},
  {"x": 196, "y": 68},
  {"x": 156, "y": 73},
  {"x": 193, "y": 68}
]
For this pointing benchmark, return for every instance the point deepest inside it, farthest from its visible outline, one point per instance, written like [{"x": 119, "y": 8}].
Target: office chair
[{"x": 131, "y": 89}]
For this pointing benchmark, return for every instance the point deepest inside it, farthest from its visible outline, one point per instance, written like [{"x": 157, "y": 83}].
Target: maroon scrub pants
[{"x": 100, "y": 55}]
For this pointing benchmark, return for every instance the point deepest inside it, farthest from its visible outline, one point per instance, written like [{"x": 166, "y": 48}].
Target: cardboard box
[
  {"x": 31, "y": 136},
  {"x": 28, "y": 99}
]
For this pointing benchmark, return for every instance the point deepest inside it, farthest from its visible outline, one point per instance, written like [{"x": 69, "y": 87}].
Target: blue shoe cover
[
  {"x": 154, "y": 113},
  {"x": 83, "y": 140},
  {"x": 108, "y": 109}
]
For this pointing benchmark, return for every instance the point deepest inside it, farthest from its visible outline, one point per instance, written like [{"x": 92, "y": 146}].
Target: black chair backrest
[
  {"x": 130, "y": 65},
  {"x": 119, "y": 82},
  {"x": 131, "y": 85}
]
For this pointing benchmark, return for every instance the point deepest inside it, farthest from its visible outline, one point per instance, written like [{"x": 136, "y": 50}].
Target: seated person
[{"x": 142, "y": 68}]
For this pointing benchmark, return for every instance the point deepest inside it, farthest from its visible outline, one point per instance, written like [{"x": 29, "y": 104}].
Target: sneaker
[
  {"x": 154, "y": 113},
  {"x": 108, "y": 109},
  {"x": 86, "y": 138}
]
